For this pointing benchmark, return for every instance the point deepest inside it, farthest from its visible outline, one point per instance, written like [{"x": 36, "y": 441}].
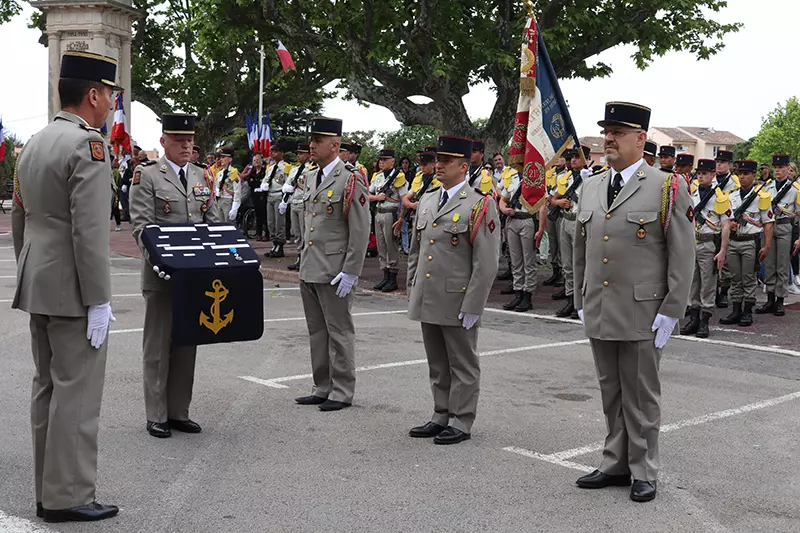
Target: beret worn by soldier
[
  {"x": 90, "y": 67},
  {"x": 780, "y": 160},
  {"x": 708, "y": 165},
  {"x": 330, "y": 127},
  {"x": 724, "y": 155},
  {"x": 178, "y": 124},
  {"x": 684, "y": 159},
  {"x": 454, "y": 147},
  {"x": 650, "y": 148},
  {"x": 668, "y": 151},
  {"x": 626, "y": 114}
]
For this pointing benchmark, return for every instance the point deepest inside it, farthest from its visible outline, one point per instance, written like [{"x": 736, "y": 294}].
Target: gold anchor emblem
[{"x": 216, "y": 323}]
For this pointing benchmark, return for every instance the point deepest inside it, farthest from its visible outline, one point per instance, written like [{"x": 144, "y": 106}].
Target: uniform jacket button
[
  {"x": 431, "y": 241},
  {"x": 427, "y": 275},
  {"x": 605, "y": 284},
  {"x": 608, "y": 216},
  {"x": 310, "y": 243},
  {"x": 605, "y": 238},
  {"x": 434, "y": 224},
  {"x": 430, "y": 258}
]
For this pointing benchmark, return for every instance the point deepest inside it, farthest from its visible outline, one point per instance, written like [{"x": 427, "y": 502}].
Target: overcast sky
[{"x": 733, "y": 91}]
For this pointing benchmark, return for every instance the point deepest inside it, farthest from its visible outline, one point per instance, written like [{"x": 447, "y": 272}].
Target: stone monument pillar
[{"x": 98, "y": 26}]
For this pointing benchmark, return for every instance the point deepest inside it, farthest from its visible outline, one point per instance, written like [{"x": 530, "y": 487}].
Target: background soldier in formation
[
  {"x": 478, "y": 176},
  {"x": 784, "y": 206},
  {"x": 634, "y": 272},
  {"x": 296, "y": 187},
  {"x": 451, "y": 268},
  {"x": 650, "y": 149},
  {"x": 752, "y": 215},
  {"x": 386, "y": 190},
  {"x": 553, "y": 228},
  {"x": 727, "y": 182},
  {"x": 425, "y": 178},
  {"x": 170, "y": 191},
  {"x": 227, "y": 187},
  {"x": 712, "y": 212},
  {"x": 274, "y": 179},
  {"x": 61, "y": 241},
  {"x": 684, "y": 164},
  {"x": 666, "y": 157},
  {"x": 337, "y": 229}
]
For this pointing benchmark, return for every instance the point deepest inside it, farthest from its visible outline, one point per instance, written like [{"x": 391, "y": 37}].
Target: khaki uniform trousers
[
  {"x": 522, "y": 248},
  {"x": 224, "y": 206},
  {"x": 553, "y": 252},
  {"x": 704, "y": 281},
  {"x": 332, "y": 337},
  {"x": 276, "y": 223},
  {"x": 387, "y": 250},
  {"x": 776, "y": 264},
  {"x": 566, "y": 238},
  {"x": 168, "y": 370},
  {"x": 455, "y": 374},
  {"x": 631, "y": 391},
  {"x": 740, "y": 258},
  {"x": 298, "y": 224},
  {"x": 65, "y": 410}
]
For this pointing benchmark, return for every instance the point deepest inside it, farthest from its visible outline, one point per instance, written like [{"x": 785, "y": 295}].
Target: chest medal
[
  {"x": 330, "y": 209},
  {"x": 454, "y": 240},
  {"x": 167, "y": 208},
  {"x": 641, "y": 233}
]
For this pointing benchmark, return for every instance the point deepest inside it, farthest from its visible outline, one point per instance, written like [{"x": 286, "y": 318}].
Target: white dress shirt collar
[
  {"x": 452, "y": 190},
  {"x": 627, "y": 173},
  {"x": 177, "y": 169},
  {"x": 330, "y": 166}
]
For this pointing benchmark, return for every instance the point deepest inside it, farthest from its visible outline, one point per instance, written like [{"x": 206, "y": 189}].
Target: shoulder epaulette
[
  {"x": 147, "y": 163},
  {"x": 89, "y": 128},
  {"x": 432, "y": 189}
]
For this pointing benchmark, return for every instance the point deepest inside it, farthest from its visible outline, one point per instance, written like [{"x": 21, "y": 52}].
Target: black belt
[
  {"x": 784, "y": 220},
  {"x": 521, "y": 216},
  {"x": 744, "y": 238},
  {"x": 706, "y": 237},
  {"x": 569, "y": 216},
  {"x": 385, "y": 210}
]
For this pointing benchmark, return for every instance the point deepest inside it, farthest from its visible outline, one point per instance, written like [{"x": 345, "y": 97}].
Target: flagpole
[{"x": 261, "y": 90}]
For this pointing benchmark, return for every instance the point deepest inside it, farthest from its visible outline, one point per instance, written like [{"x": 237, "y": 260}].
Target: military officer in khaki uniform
[
  {"x": 756, "y": 222},
  {"x": 712, "y": 212},
  {"x": 553, "y": 253},
  {"x": 451, "y": 269},
  {"x": 169, "y": 191},
  {"x": 278, "y": 171},
  {"x": 386, "y": 190},
  {"x": 336, "y": 238},
  {"x": 61, "y": 233},
  {"x": 650, "y": 150},
  {"x": 784, "y": 206},
  {"x": 634, "y": 255},
  {"x": 295, "y": 187},
  {"x": 227, "y": 187}
]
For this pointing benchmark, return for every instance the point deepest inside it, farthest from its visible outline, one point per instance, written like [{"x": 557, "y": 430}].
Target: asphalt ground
[{"x": 263, "y": 463}]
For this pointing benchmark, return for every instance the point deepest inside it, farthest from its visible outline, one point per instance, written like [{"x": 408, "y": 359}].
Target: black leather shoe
[
  {"x": 333, "y": 405},
  {"x": 294, "y": 266},
  {"x": 643, "y": 491},
  {"x": 159, "y": 430},
  {"x": 560, "y": 295},
  {"x": 567, "y": 310},
  {"x": 451, "y": 435},
  {"x": 186, "y": 426},
  {"x": 84, "y": 513},
  {"x": 599, "y": 480},
  {"x": 779, "y": 310},
  {"x": 428, "y": 430},
  {"x": 39, "y": 510},
  {"x": 508, "y": 290},
  {"x": 310, "y": 400}
]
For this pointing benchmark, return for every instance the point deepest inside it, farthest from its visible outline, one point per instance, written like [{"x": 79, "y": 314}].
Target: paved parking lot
[{"x": 729, "y": 447}]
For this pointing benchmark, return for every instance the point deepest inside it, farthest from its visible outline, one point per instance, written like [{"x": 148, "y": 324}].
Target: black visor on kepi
[{"x": 90, "y": 67}]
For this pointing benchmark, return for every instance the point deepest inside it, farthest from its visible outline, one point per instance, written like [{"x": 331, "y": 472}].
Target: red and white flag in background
[
  {"x": 119, "y": 134},
  {"x": 285, "y": 57},
  {"x": 2, "y": 142},
  {"x": 265, "y": 138}
]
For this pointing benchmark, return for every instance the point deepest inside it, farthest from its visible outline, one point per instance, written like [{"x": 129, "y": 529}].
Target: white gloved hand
[
  {"x": 468, "y": 320},
  {"x": 287, "y": 188},
  {"x": 346, "y": 283},
  {"x": 98, "y": 318},
  {"x": 580, "y": 315},
  {"x": 663, "y": 327},
  {"x": 258, "y": 189},
  {"x": 124, "y": 188},
  {"x": 586, "y": 172},
  {"x": 232, "y": 214},
  {"x": 282, "y": 208}
]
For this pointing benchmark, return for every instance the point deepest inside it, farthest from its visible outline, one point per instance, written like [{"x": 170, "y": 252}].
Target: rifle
[
  {"x": 782, "y": 193},
  {"x": 698, "y": 215},
  {"x": 295, "y": 181},
  {"x": 554, "y": 211},
  {"x": 474, "y": 175},
  {"x": 426, "y": 182},
  {"x": 513, "y": 203},
  {"x": 739, "y": 213}
]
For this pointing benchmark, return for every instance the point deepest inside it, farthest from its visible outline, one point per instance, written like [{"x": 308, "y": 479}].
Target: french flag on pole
[
  {"x": 285, "y": 57},
  {"x": 2, "y": 142},
  {"x": 119, "y": 134},
  {"x": 265, "y": 138}
]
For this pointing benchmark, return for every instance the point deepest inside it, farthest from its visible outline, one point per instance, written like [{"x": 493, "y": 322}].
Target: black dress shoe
[
  {"x": 451, "y": 435},
  {"x": 560, "y": 295},
  {"x": 599, "y": 480},
  {"x": 186, "y": 426},
  {"x": 39, "y": 510},
  {"x": 159, "y": 430},
  {"x": 84, "y": 513},
  {"x": 310, "y": 400},
  {"x": 643, "y": 491},
  {"x": 333, "y": 405},
  {"x": 428, "y": 430}
]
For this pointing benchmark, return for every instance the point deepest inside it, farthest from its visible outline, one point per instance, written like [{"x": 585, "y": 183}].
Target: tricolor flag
[
  {"x": 285, "y": 57},
  {"x": 265, "y": 138},
  {"x": 542, "y": 128},
  {"x": 119, "y": 134},
  {"x": 2, "y": 142},
  {"x": 252, "y": 133}
]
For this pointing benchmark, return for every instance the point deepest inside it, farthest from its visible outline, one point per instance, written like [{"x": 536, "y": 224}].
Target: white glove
[
  {"x": 663, "y": 326},
  {"x": 282, "y": 208},
  {"x": 346, "y": 283},
  {"x": 232, "y": 214},
  {"x": 586, "y": 172},
  {"x": 124, "y": 188},
  {"x": 98, "y": 318},
  {"x": 468, "y": 320},
  {"x": 258, "y": 189},
  {"x": 161, "y": 274},
  {"x": 287, "y": 188},
  {"x": 580, "y": 315}
]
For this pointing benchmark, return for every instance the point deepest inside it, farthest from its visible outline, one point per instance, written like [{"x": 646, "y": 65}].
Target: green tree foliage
[
  {"x": 8, "y": 8},
  {"x": 780, "y": 133},
  {"x": 409, "y": 139},
  {"x": 742, "y": 150}
]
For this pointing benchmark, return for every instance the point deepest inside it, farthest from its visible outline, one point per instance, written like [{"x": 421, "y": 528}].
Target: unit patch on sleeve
[{"x": 97, "y": 151}]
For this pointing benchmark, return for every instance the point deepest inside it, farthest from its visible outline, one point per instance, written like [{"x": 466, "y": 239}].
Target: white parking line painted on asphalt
[
  {"x": 562, "y": 458},
  {"x": 276, "y": 382},
  {"x": 14, "y": 524}
]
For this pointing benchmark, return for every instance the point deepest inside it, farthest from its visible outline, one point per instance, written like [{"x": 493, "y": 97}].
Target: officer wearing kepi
[
  {"x": 634, "y": 255},
  {"x": 451, "y": 268},
  {"x": 59, "y": 221},
  {"x": 712, "y": 212},
  {"x": 169, "y": 191},
  {"x": 666, "y": 157},
  {"x": 336, "y": 236},
  {"x": 650, "y": 149}
]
